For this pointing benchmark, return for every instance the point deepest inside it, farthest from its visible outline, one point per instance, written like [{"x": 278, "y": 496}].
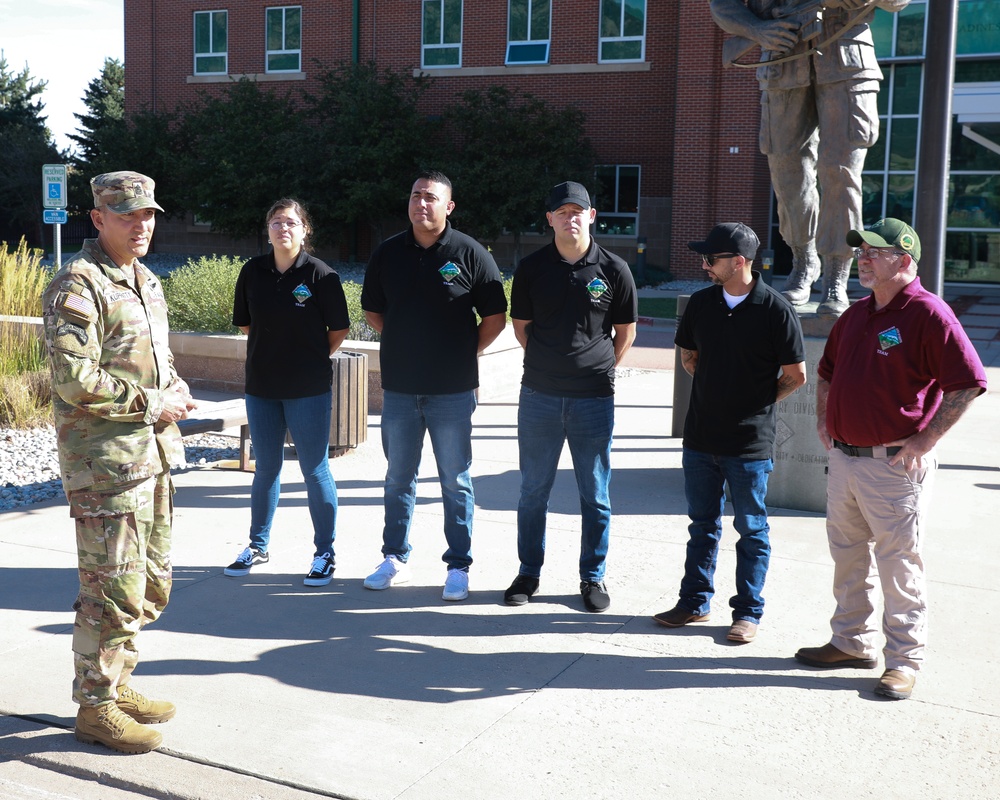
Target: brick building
[{"x": 675, "y": 133}]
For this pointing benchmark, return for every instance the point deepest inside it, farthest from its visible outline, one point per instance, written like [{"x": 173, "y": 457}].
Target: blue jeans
[
  {"x": 544, "y": 422},
  {"x": 704, "y": 476},
  {"x": 448, "y": 419},
  {"x": 308, "y": 419}
]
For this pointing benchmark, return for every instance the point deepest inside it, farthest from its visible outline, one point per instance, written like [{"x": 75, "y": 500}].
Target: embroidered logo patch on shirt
[
  {"x": 449, "y": 272},
  {"x": 301, "y": 293},
  {"x": 597, "y": 287},
  {"x": 889, "y": 338}
]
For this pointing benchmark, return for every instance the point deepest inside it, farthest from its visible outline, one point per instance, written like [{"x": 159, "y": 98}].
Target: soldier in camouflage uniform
[{"x": 116, "y": 399}]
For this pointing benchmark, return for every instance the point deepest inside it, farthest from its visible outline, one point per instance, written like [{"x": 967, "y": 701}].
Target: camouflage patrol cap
[{"x": 122, "y": 192}]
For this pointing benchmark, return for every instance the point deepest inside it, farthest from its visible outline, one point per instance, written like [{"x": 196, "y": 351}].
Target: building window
[
  {"x": 442, "y": 38},
  {"x": 528, "y": 24},
  {"x": 617, "y": 200},
  {"x": 284, "y": 39},
  {"x": 211, "y": 42},
  {"x": 623, "y": 30}
]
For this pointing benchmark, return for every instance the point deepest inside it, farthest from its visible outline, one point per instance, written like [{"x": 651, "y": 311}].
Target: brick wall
[{"x": 677, "y": 116}]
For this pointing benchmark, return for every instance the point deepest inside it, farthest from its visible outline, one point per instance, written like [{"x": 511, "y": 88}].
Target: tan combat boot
[
  {"x": 142, "y": 709},
  {"x": 108, "y": 725},
  {"x": 835, "y": 273}
]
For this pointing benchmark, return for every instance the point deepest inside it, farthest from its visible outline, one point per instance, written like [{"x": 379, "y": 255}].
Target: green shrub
[
  {"x": 200, "y": 294},
  {"x": 361, "y": 331}
]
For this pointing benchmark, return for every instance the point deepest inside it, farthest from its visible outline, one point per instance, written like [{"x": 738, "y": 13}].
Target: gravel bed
[{"x": 29, "y": 467}]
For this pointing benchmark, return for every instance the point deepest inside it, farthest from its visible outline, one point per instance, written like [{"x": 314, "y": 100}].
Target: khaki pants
[
  {"x": 876, "y": 527},
  {"x": 123, "y": 545}
]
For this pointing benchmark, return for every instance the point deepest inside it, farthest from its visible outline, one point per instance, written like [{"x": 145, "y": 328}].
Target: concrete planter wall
[{"x": 215, "y": 362}]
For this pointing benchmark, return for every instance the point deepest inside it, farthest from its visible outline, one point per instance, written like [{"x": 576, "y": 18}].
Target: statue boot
[
  {"x": 805, "y": 270},
  {"x": 836, "y": 270}
]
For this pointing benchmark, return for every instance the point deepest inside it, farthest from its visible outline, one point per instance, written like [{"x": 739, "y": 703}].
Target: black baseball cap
[
  {"x": 729, "y": 237},
  {"x": 568, "y": 192}
]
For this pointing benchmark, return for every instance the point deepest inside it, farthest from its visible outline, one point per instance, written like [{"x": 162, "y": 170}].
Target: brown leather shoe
[
  {"x": 895, "y": 684},
  {"x": 743, "y": 631},
  {"x": 108, "y": 725},
  {"x": 830, "y": 657},
  {"x": 677, "y": 617}
]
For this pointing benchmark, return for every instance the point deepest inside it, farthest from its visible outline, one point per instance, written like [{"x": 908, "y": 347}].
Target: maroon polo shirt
[{"x": 889, "y": 368}]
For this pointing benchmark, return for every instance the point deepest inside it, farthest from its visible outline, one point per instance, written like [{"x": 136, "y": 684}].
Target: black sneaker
[
  {"x": 321, "y": 572},
  {"x": 245, "y": 561},
  {"x": 521, "y": 590},
  {"x": 595, "y": 596}
]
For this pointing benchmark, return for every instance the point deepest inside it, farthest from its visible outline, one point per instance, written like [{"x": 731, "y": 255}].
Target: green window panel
[
  {"x": 623, "y": 30},
  {"x": 442, "y": 26},
  {"x": 528, "y": 31},
  {"x": 872, "y": 195},
  {"x": 978, "y": 30},
  {"x": 211, "y": 40},
  {"x": 968, "y": 155},
  {"x": 906, "y": 88},
  {"x": 910, "y": 30},
  {"x": 284, "y": 39},
  {"x": 903, "y": 144},
  {"x": 899, "y": 197}
]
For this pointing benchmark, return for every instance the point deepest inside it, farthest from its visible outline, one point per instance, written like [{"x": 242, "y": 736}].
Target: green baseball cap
[
  {"x": 122, "y": 192},
  {"x": 888, "y": 232}
]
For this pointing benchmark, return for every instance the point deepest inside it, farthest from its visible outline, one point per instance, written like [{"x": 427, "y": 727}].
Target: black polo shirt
[
  {"x": 289, "y": 314},
  {"x": 740, "y": 352},
  {"x": 429, "y": 299},
  {"x": 572, "y": 309}
]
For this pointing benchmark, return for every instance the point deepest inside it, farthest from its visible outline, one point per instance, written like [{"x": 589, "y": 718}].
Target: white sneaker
[
  {"x": 389, "y": 573},
  {"x": 456, "y": 587}
]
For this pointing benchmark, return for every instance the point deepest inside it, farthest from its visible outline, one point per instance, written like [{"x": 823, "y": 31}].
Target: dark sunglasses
[{"x": 710, "y": 259}]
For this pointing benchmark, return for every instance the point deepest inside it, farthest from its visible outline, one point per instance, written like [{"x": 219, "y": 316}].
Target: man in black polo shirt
[
  {"x": 573, "y": 308},
  {"x": 422, "y": 291},
  {"x": 742, "y": 343}
]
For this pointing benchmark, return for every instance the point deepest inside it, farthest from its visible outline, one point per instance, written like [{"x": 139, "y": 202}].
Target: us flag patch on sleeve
[{"x": 78, "y": 306}]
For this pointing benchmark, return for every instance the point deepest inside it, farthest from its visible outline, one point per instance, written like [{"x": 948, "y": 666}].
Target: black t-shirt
[
  {"x": 429, "y": 300},
  {"x": 740, "y": 352},
  {"x": 572, "y": 309},
  {"x": 289, "y": 314}
]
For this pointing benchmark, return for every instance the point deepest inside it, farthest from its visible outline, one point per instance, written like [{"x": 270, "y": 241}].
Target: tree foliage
[
  {"x": 101, "y": 131},
  {"x": 240, "y": 151},
  {"x": 369, "y": 137},
  {"x": 509, "y": 150},
  {"x": 25, "y": 145}
]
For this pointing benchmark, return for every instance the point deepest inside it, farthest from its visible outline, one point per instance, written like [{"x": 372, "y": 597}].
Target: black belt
[{"x": 866, "y": 452}]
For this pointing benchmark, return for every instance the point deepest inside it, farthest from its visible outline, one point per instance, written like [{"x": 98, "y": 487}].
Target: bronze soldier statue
[{"x": 819, "y": 81}]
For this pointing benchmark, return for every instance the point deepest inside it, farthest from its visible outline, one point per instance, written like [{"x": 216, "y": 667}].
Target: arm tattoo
[
  {"x": 689, "y": 360},
  {"x": 953, "y": 405}
]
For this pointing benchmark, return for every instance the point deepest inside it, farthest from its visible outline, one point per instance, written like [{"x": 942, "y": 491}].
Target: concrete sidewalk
[{"x": 289, "y": 692}]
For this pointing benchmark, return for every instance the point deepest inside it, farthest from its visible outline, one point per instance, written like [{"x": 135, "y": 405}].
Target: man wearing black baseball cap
[
  {"x": 741, "y": 342},
  {"x": 897, "y": 372},
  {"x": 573, "y": 306}
]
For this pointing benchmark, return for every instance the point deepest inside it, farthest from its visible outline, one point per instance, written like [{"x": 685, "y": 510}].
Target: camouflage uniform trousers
[{"x": 123, "y": 543}]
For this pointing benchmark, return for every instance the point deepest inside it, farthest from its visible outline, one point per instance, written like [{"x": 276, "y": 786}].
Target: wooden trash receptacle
[
  {"x": 349, "y": 407},
  {"x": 349, "y": 404}
]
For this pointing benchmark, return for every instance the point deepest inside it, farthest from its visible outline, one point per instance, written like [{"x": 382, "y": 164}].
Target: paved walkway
[{"x": 286, "y": 692}]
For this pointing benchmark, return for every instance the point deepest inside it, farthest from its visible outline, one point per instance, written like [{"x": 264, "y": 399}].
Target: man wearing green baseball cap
[
  {"x": 116, "y": 398},
  {"x": 897, "y": 373}
]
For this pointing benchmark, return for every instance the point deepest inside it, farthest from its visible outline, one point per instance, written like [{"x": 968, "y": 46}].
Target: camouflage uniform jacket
[{"x": 107, "y": 339}]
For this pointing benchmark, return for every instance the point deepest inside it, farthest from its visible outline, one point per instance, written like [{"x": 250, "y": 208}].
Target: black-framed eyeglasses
[
  {"x": 711, "y": 259},
  {"x": 872, "y": 252}
]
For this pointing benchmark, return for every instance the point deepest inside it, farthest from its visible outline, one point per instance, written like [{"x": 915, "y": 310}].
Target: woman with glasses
[{"x": 292, "y": 308}]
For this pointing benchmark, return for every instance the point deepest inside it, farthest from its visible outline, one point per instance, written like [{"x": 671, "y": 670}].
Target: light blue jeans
[
  {"x": 308, "y": 420},
  {"x": 406, "y": 418},
  {"x": 544, "y": 423}
]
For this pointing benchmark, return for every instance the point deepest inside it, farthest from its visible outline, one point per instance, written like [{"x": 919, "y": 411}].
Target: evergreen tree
[
  {"x": 25, "y": 145},
  {"x": 101, "y": 130}
]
